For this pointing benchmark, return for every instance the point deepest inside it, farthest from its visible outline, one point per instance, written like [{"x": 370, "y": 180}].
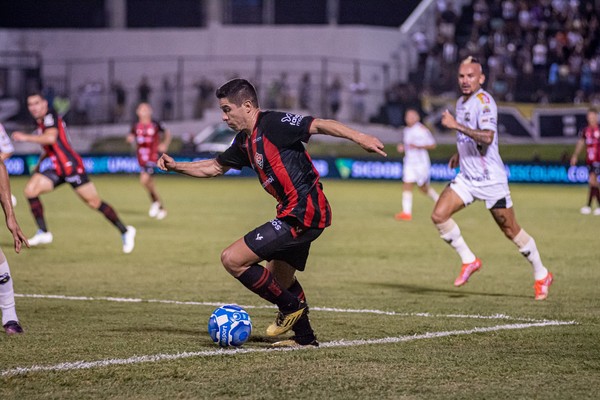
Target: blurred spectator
[
  {"x": 204, "y": 97},
  {"x": 168, "y": 95},
  {"x": 119, "y": 99},
  {"x": 304, "y": 92},
  {"x": 358, "y": 90},
  {"x": 144, "y": 90},
  {"x": 334, "y": 97}
]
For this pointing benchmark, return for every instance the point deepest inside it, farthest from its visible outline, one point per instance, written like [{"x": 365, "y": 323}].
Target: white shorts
[
  {"x": 495, "y": 196},
  {"x": 418, "y": 175}
]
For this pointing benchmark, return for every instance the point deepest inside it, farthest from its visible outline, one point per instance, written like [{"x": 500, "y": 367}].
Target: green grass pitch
[{"x": 365, "y": 261}]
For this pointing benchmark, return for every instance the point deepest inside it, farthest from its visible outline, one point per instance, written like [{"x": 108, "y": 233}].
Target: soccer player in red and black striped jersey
[
  {"x": 67, "y": 167},
  {"x": 589, "y": 138},
  {"x": 151, "y": 138},
  {"x": 271, "y": 143}
]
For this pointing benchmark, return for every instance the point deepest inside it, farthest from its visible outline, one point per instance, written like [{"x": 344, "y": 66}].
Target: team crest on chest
[{"x": 258, "y": 160}]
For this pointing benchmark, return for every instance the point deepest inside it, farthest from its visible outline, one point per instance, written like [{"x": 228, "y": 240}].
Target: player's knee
[
  {"x": 438, "y": 218},
  {"x": 30, "y": 191},
  {"x": 228, "y": 261},
  {"x": 94, "y": 203}
]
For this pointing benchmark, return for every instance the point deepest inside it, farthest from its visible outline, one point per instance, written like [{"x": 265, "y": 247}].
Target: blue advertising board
[{"x": 337, "y": 168}]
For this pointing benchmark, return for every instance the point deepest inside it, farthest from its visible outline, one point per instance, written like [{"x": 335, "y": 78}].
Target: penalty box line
[
  {"x": 324, "y": 309},
  {"x": 80, "y": 365}
]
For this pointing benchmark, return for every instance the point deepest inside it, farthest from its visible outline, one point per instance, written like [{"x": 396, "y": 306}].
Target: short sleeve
[
  {"x": 50, "y": 121},
  {"x": 487, "y": 118},
  {"x": 6, "y": 145},
  {"x": 236, "y": 155},
  {"x": 286, "y": 129}
]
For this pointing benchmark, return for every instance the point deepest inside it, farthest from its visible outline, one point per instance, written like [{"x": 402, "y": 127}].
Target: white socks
[
  {"x": 407, "y": 200},
  {"x": 528, "y": 248},
  {"x": 450, "y": 232},
  {"x": 433, "y": 194},
  {"x": 7, "y": 295}
]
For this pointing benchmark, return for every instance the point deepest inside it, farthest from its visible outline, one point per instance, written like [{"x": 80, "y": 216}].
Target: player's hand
[
  {"x": 166, "y": 162},
  {"x": 573, "y": 161},
  {"x": 454, "y": 161},
  {"x": 448, "y": 120},
  {"x": 18, "y": 136},
  {"x": 400, "y": 148},
  {"x": 130, "y": 139},
  {"x": 371, "y": 144},
  {"x": 19, "y": 237}
]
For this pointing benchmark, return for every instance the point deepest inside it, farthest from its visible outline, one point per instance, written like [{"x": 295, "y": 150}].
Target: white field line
[
  {"x": 325, "y": 309},
  {"x": 78, "y": 365}
]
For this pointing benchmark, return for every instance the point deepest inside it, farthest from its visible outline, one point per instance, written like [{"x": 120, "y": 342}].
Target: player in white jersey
[
  {"x": 10, "y": 322},
  {"x": 482, "y": 176},
  {"x": 417, "y": 140},
  {"x": 6, "y": 150}
]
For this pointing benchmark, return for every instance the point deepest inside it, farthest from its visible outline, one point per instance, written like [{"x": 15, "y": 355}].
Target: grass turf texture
[{"x": 366, "y": 260}]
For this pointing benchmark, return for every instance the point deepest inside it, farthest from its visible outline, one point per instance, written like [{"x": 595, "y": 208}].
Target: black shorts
[
  {"x": 282, "y": 240},
  {"x": 149, "y": 168},
  {"x": 74, "y": 180},
  {"x": 594, "y": 168}
]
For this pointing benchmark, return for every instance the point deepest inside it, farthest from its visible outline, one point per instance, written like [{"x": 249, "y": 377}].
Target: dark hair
[
  {"x": 32, "y": 93},
  {"x": 238, "y": 91}
]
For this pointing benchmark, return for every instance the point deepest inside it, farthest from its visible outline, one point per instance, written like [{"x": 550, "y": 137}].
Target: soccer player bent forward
[
  {"x": 271, "y": 143},
  {"x": 482, "y": 176}
]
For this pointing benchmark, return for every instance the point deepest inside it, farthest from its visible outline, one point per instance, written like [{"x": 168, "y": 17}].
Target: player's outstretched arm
[
  {"x": 11, "y": 221},
  {"x": 198, "y": 169},
  {"x": 483, "y": 136},
  {"x": 337, "y": 129}
]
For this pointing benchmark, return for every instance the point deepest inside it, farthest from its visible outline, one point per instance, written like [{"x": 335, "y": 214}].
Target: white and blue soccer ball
[{"x": 229, "y": 325}]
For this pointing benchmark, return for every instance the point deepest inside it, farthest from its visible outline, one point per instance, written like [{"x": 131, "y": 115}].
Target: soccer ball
[{"x": 229, "y": 325}]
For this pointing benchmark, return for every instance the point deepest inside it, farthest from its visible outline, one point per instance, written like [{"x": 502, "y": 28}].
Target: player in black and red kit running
[
  {"x": 68, "y": 167},
  {"x": 271, "y": 143},
  {"x": 151, "y": 138},
  {"x": 589, "y": 137}
]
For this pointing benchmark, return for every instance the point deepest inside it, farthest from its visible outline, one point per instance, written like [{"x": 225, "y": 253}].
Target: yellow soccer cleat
[{"x": 285, "y": 322}]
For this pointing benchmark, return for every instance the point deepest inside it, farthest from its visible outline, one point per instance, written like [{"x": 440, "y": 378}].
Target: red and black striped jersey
[
  {"x": 591, "y": 136},
  {"x": 275, "y": 150},
  {"x": 147, "y": 138},
  {"x": 65, "y": 160}
]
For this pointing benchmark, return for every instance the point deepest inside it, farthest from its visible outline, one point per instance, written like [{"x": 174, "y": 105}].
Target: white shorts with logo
[
  {"x": 495, "y": 195},
  {"x": 416, "y": 174}
]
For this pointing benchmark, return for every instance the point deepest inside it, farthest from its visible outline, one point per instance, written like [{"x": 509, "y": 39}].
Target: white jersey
[
  {"x": 481, "y": 165},
  {"x": 417, "y": 135},
  {"x": 6, "y": 145}
]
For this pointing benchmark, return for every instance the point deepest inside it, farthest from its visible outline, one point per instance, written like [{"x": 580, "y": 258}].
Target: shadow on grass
[{"x": 453, "y": 293}]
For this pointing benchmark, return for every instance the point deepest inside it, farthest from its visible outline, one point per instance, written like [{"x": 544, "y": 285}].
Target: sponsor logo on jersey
[
  {"x": 258, "y": 237},
  {"x": 468, "y": 116},
  {"x": 483, "y": 98},
  {"x": 486, "y": 110},
  {"x": 49, "y": 120},
  {"x": 292, "y": 119},
  {"x": 4, "y": 278},
  {"x": 258, "y": 160},
  {"x": 268, "y": 181}
]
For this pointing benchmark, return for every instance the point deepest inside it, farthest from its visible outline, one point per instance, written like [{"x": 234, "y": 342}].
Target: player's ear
[
  {"x": 481, "y": 79},
  {"x": 247, "y": 105}
]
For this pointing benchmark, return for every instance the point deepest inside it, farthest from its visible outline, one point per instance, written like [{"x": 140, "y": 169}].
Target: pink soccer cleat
[
  {"x": 541, "y": 287},
  {"x": 466, "y": 272}
]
